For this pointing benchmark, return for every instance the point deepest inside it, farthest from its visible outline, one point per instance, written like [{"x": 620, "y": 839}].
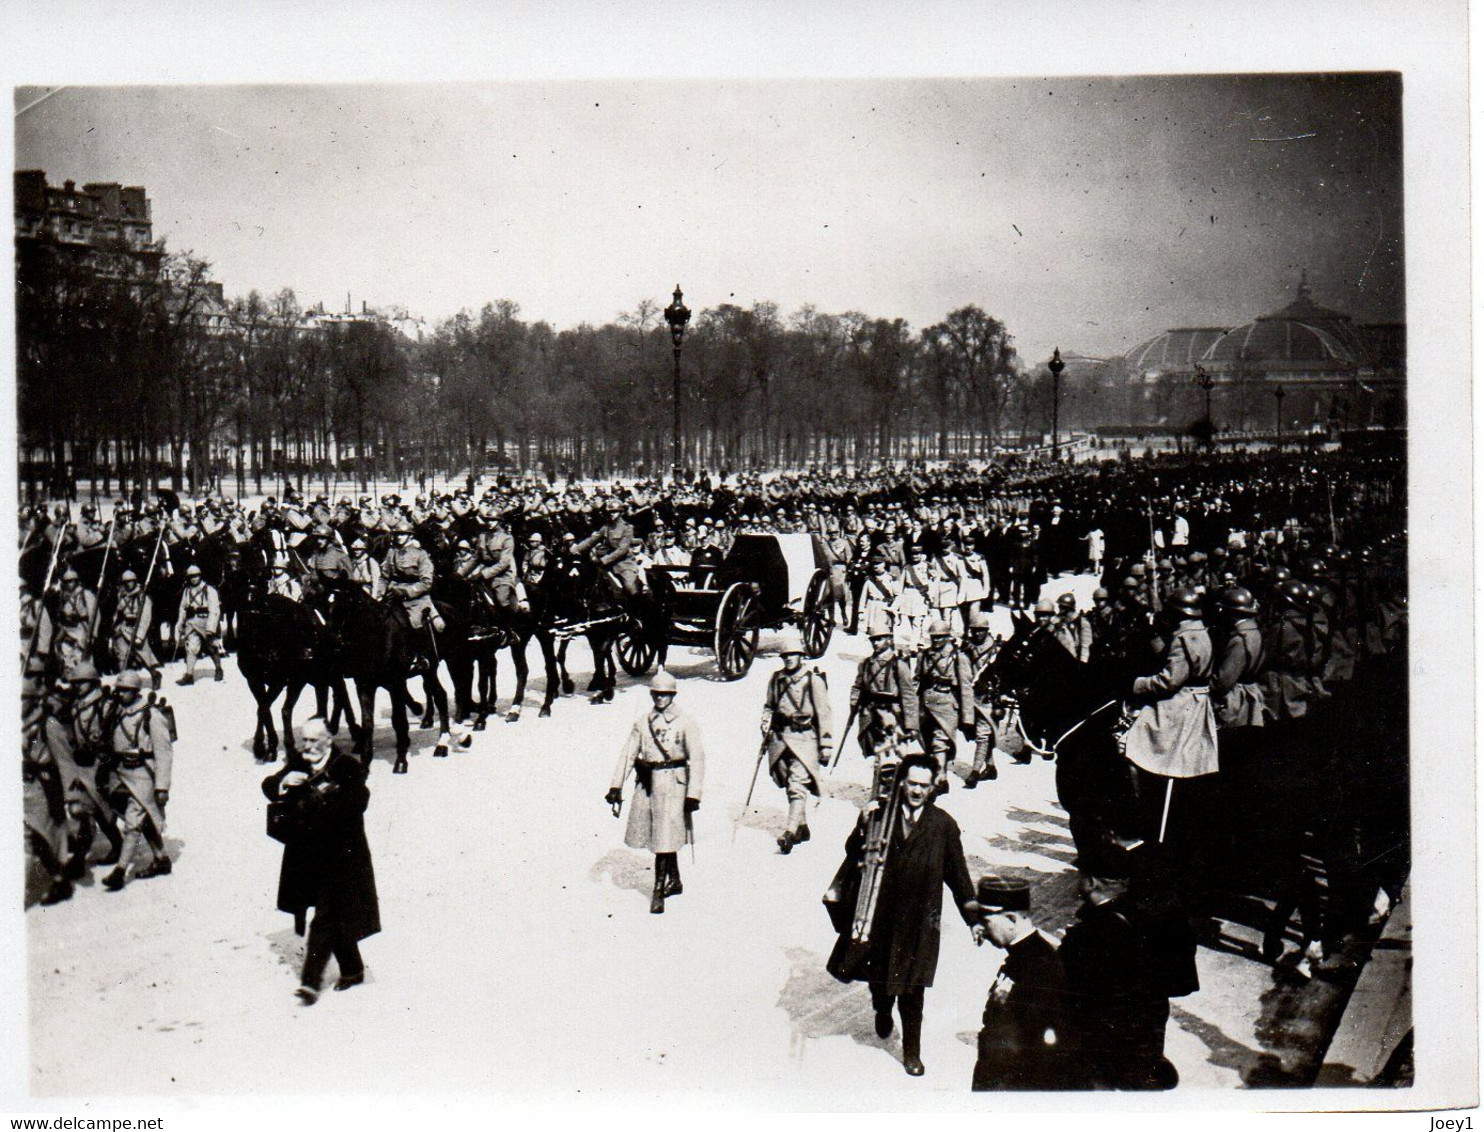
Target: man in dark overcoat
[
  {"x": 326, "y": 859},
  {"x": 1030, "y": 1035},
  {"x": 900, "y": 957}
]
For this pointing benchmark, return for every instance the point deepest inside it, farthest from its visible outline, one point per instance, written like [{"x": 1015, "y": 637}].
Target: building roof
[
  {"x": 1300, "y": 336},
  {"x": 1177, "y": 349}
]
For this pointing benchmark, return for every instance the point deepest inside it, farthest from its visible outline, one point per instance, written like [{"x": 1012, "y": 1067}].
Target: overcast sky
[{"x": 1088, "y": 214}]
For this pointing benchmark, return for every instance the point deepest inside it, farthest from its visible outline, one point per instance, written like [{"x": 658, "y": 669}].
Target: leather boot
[
  {"x": 801, "y": 835},
  {"x": 220, "y": 675},
  {"x": 187, "y": 680},
  {"x": 114, "y": 881},
  {"x": 657, "y": 898},
  {"x": 786, "y": 842},
  {"x": 673, "y": 886}
]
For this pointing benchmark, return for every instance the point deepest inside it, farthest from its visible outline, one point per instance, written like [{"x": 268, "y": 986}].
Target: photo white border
[{"x": 461, "y": 40}]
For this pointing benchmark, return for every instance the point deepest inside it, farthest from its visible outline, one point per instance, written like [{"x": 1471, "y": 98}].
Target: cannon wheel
[
  {"x": 735, "y": 639},
  {"x": 636, "y": 652},
  {"x": 818, "y": 619}
]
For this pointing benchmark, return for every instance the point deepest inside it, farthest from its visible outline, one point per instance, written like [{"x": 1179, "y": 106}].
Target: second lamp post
[{"x": 677, "y": 314}]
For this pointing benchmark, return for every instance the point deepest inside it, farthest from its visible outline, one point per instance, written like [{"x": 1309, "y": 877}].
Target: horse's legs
[
  {"x": 343, "y": 707},
  {"x": 549, "y": 660},
  {"x": 484, "y": 690},
  {"x": 271, "y": 692},
  {"x": 438, "y": 698},
  {"x": 365, "y": 744},
  {"x": 260, "y": 729},
  {"x": 290, "y": 698},
  {"x": 398, "y": 692},
  {"x": 568, "y": 687},
  {"x": 522, "y": 671}
]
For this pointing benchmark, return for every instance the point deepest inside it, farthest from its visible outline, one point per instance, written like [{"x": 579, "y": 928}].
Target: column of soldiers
[{"x": 1296, "y": 617}]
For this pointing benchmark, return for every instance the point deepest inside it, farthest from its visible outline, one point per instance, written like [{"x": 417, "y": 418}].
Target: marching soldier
[
  {"x": 131, "y": 624},
  {"x": 197, "y": 624},
  {"x": 1029, "y": 1040},
  {"x": 797, "y": 726},
  {"x": 365, "y": 571},
  {"x": 36, "y": 632},
  {"x": 664, "y": 751},
  {"x": 612, "y": 546},
  {"x": 875, "y": 605},
  {"x": 139, "y": 737},
  {"x": 885, "y": 690},
  {"x": 44, "y": 809},
  {"x": 980, "y": 650},
  {"x": 77, "y": 617},
  {"x": 83, "y": 708},
  {"x": 946, "y": 687}
]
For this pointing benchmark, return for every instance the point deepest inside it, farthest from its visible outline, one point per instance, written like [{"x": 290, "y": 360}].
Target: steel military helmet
[
  {"x": 1066, "y": 602},
  {"x": 939, "y": 628},
  {"x": 1186, "y": 600},
  {"x": 663, "y": 684},
  {"x": 790, "y": 642},
  {"x": 83, "y": 672},
  {"x": 193, "y": 571},
  {"x": 1045, "y": 606},
  {"x": 133, "y": 680},
  {"x": 1293, "y": 594},
  {"x": 1238, "y": 599},
  {"x": 128, "y": 576},
  {"x": 1100, "y": 594}
]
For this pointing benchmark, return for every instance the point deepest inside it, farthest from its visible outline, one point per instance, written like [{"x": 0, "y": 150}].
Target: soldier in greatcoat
[
  {"x": 664, "y": 752},
  {"x": 82, "y": 708},
  {"x": 1173, "y": 734},
  {"x": 132, "y": 619},
  {"x": 980, "y": 650},
  {"x": 945, "y": 686},
  {"x": 326, "y": 859},
  {"x": 139, "y": 738},
  {"x": 77, "y": 621},
  {"x": 43, "y": 794},
  {"x": 885, "y": 689},
  {"x": 197, "y": 624},
  {"x": 797, "y": 726}
]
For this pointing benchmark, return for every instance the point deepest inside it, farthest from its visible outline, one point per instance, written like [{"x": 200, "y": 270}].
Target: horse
[
  {"x": 575, "y": 599},
  {"x": 485, "y": 633},
  {"x": 373, "y": 643},
  {"x": 282, "y": 647},
  {"x": 1073, "y": 710}
]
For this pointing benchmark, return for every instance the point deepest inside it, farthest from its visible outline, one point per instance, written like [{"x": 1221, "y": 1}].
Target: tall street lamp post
[
  {"x": 677, "y": 314},
  {"x": 1208, "y": 383},
  {"x": 1056, "y": 365}
]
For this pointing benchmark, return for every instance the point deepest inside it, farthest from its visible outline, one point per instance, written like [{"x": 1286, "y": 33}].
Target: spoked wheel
[
  {"x": 818, "y": 618},
  {"x": 635, "y": 650},
  {"x": 735, "y": 638}
]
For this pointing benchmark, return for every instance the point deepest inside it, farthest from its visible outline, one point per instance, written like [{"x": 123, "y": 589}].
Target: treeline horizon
[{"x": 135, "y": 379}]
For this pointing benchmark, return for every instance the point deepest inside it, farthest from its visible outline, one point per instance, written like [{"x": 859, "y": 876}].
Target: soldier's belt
[
  {"x": 197, "y": 612},
  {"x": 883, "y": 699},
  {"x": 939, "y": 686},
  {"x": 668, "y": 764},
  {"x": 785, "y": 722},
  {"x": 133, "y": 760}
]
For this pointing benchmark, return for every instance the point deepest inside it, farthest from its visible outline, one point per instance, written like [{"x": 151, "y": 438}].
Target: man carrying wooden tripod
[{"x": 887, "y": 899}]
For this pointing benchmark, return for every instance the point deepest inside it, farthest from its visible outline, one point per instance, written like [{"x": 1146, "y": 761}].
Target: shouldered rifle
[
  {"x": 149, "y": 576},
  {"x": 102, "y": 573}
]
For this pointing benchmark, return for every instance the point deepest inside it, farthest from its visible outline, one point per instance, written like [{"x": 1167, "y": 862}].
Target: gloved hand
[
  {"x": 162, "y": 796},
  {"x": 613, "y": 797},
  {"x": 692, "y": 805}
]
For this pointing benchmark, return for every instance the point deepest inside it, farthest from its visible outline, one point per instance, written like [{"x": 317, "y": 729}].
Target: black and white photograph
[{"x": 818, "y": 591}]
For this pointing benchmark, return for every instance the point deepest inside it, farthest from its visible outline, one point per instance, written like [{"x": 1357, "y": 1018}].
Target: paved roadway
[{"x": 518, "y": 954}]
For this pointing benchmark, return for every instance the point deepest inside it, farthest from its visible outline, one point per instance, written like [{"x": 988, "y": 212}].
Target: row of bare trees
[{"x": 147, "y": 374}]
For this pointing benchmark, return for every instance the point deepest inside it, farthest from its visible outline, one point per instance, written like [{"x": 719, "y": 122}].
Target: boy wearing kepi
[{"x": 797, "y": 728}]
